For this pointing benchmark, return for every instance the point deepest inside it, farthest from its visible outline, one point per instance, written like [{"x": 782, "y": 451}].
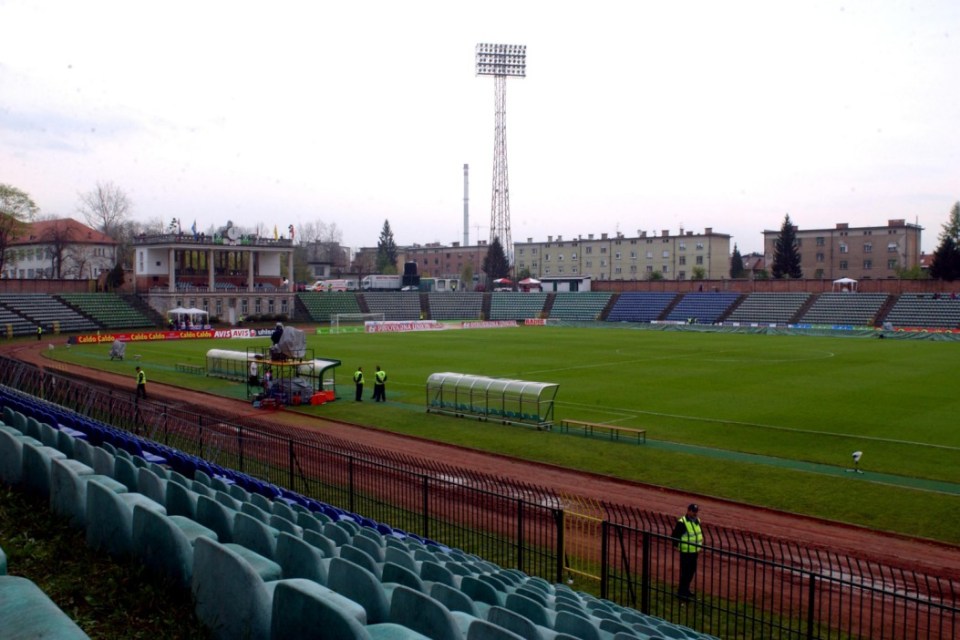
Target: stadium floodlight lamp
[{"x": 502, "y": 60}]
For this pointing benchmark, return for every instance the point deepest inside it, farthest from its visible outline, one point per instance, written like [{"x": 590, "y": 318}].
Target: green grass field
[{"x": 768, "y": 420}]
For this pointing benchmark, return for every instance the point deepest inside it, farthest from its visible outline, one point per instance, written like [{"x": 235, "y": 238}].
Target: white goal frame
[{"x": 352, "y": 322}]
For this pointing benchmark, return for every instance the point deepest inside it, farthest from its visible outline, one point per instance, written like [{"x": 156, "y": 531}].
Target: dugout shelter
[{"x": 506, "y": 400}]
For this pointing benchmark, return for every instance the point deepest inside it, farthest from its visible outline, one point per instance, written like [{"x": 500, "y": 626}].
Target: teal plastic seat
[
  {"x": 27, "y": 612},
  {"x": 423, "y": 614},
  {"x": 165, "y": 543},
  {"x": 231, "y": 599},
  {"x": 301, "y": 608},
  {"x": 110, "y": 517},
  {"x": 360, "y": 585},
  {"x": 300, "y": 559}
]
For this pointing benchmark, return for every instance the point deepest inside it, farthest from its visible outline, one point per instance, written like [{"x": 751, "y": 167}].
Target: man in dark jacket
[{"x": 688, "y": 539}]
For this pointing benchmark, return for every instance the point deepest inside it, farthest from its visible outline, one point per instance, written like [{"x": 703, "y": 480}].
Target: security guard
[
  {"x": 688, "y": 539},
  {"x": 358, "y": 380},
  {"x": 141, "y": 384},
  {"x": 380, "y": 385},
  {"x": 39, "y": 332}
]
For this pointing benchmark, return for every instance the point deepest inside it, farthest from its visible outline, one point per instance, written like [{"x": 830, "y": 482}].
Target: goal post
[{"x": 351, "y": 322}]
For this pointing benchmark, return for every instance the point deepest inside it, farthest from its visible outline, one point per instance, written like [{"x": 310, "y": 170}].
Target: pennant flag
[
  {"x": 275, "y": 236},
  {"x": 194, "y": 229},
  {"x": 291, "y": 232}
]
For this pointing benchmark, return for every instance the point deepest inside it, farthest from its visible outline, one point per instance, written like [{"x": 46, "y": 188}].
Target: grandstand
[
  {"x": 108, "y": 310},
  {"x": 703, "y": 308},
  {"x": 636, "y": 306},
  {"x": 511, "y": 305},
  {"x": 769, "y": 308},
  {"x": 46, "y": 310},
  {"x": 856, "y": 309},
  {"x": 583, "y": 306},
  {"x": 393, "y": 305},
  {"x": 926, "y": 311},
  {"x": 456, "y": 305},
  {"x": 265, "y": 562},
  {"x": 320, "y": 306}
]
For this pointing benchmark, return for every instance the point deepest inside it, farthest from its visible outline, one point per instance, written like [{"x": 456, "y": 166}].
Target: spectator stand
[{"x": 520, "y": 402}]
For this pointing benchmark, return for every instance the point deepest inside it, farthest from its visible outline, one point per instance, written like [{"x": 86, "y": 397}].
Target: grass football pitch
[{"x": 770, "y": 420}]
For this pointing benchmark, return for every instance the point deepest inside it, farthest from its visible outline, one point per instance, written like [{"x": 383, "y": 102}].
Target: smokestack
[{"x": 466, "y": 205}]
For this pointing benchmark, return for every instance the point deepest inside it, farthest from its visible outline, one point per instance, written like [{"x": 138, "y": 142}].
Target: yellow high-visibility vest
[{"x": 692, "y": 539}]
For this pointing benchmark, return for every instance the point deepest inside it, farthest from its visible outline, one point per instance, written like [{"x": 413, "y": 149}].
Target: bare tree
[
  {"x": 58, "y": 236},
  {"x": 106, "y": 208},
  {"x": 78, "y": 257},
  {"x": 16, "y": 209}
]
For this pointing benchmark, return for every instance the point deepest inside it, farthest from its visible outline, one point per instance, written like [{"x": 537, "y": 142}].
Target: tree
[
  {"x": 106, "y": 208},
  {"x": 786, "y": 255},
  {"x": 58, "y": 235},
  {"x": 495, "y": 264},
  {"x": 16, "y": 209},
  {"x": 654, "y": 275},
  {"x": 946, "y": 259},
  {"x": 736, "y": 263},
  {"x": 386, "y": 250},
  {"x": 699, "y": 273}
]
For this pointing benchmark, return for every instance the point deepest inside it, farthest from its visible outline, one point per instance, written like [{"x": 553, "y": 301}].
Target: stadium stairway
[{"x": 262, "y": 562}]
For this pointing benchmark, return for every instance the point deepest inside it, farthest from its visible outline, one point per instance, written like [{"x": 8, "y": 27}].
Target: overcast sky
[{"x": 634, "y": 115}]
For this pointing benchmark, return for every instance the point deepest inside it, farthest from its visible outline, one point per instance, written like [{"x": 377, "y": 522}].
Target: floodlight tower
[{"x": 501, "y": 61}]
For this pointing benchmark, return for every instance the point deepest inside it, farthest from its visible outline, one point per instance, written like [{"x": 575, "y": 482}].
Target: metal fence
[{"x": 748, "y": 585}]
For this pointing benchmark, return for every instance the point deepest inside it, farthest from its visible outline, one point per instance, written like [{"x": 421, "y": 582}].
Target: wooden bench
[
  {"x": 612, "y": 431},
  {"x": 195, "y": 369}
]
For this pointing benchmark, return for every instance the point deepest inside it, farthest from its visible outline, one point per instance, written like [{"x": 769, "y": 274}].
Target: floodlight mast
[{"x": 501, "y": 61}]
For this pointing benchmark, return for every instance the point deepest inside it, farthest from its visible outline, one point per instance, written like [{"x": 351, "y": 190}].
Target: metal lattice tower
[{"x": 501, "y": 61}]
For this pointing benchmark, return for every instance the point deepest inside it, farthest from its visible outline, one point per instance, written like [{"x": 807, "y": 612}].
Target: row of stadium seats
[{"x": 262, "y": 566}]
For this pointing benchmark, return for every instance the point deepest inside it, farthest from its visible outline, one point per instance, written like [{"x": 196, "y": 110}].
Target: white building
[{"x": 59, "y": 249}]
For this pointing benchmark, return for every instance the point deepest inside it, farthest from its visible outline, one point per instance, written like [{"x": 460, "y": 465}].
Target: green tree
[
  {"x": 786, "y": 254},
  {"x": 386, "y": 250},
  {"x": 654, "y": 275},
  {"x": 495, "y": 263},
  {"x": 699, "y": 273},
  {"x": 736, "y": 263},
  {"x": 466, "y": 277},
  {"x": 946, "y": 259},
  {"x": 16, "y": 210}
]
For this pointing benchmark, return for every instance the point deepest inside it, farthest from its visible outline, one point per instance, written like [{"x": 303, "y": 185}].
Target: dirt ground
[{"x": 911, "y": 554}]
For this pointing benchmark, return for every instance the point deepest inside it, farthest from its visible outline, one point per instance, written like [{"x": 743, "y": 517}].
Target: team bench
[
  {"x": 195, "y": 369},
  {"x": 612, "y": 431}
]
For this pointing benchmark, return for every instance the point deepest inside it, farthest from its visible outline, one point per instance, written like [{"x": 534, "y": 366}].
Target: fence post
[
  {"x": 350, "y": 483},
  {"x": 240, "y": 448},
  {"x": 558, "y": 515},
  {"x": 645, "y": 574},
  {"x": 290, "y": 467},
  {"x": 426, "y": 507},
  {"x": 520, "y": 534},
  {"x": 200, "y": 435},
  {"x": 604, "y": 556},
  {"x": 811, "y": 598}
]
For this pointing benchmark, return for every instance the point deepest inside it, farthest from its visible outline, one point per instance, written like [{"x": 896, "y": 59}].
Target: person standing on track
[
  {"x": 141, "y": 384},
  {"x": 688, "y": 539},
  {"x": 358, "y": 381},
  {"x": 380, "y": 385}
]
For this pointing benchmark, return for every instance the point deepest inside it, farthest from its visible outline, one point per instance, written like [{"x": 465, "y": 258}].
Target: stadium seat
[
  {"x": 110, "y": 518},
  {"x": 420, "y": 612},
  {"x": 165, "y": 543},
  {"x": 300, "y": 559},
  {"x": 231, "y": 598},
  {"x": 27, "y": 612},
  {"x": 301, "y": 608},
  {"x": 37, "y": 460},
  {"x": 360, "y": 585}
]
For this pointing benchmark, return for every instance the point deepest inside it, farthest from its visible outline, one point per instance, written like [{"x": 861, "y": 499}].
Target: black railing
[{"x": 749, "y": 585}]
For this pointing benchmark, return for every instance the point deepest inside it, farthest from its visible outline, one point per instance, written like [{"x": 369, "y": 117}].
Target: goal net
[{"x": 348, "y": 322}]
